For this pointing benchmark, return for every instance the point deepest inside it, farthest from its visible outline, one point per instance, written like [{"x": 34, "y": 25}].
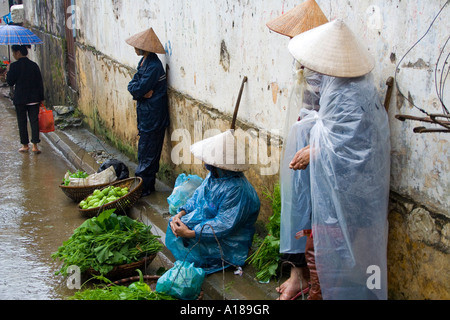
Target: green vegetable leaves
[
  {"x": 138, "y": 290},
  {"x": 77, "y": 174},
  {"x": 106, "y": 241},
  {"x": 266, "y": 258}
]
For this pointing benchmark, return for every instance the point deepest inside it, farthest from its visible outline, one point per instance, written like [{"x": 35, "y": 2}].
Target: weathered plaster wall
[
  {"x": 4, "y": 10},
  {"x": 46, "y": 18},
  {"x": 109, "y": 110},
  {"x": 212, "y": 45},
  {"x": 418, "y": 252},
  {"x": 193, "y": 120}
]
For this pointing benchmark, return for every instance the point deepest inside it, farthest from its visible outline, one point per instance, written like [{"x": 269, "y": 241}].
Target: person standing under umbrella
[
  {"x": 26, "y": 76},
  {"x": 149, "y": 88}
]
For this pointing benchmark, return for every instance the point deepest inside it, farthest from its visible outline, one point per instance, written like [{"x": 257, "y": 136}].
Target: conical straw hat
[
  {"x": 219, "y": 151},
  {"x": 303, "y": 17},
  {"x": 332, "y": 49},
  {"x": 146, "y": 40}
]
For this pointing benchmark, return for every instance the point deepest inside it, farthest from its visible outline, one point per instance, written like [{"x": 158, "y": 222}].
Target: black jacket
[{"x": 26, "y": 76}]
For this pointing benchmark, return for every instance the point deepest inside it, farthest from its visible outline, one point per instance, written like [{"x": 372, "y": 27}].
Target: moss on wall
[
  {"x": 418, "y": 252},
  {"x": 50, "y": 57}
]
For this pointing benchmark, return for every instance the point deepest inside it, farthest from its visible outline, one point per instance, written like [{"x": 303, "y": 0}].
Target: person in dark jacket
[
  {"x": 149, "y": 88},
  {"x": 26, "y": 76}
]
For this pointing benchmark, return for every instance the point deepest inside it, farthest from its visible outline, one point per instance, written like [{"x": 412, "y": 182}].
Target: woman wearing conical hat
[
  {"x": 215, "y": 227},
  {"x": 149, "y": 88},
  {"x": 347, "y": 152},
  {"x": 304, "y": 96}
]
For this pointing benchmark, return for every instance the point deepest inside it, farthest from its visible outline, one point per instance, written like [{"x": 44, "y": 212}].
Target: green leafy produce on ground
[
  {"x": 106, "y": 241},
  {"x": 138, "y": 290},
  {"x": 266, "y": 258},
  {"x": 78, "y": 174}
]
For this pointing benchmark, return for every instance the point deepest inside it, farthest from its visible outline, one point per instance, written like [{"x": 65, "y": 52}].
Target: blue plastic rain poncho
[
  {"x": 152, "y": 117},
  {"x": 343, "y": 195},
  {"x": 224, "y": 207}
]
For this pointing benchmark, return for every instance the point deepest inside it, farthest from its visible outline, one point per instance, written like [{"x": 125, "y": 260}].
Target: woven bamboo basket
[
  {"x": 149, "y": 280},
  {"x": 124, "y": 270},
  {"x": 123, "y": 203},
  {"x": 79, "y": 193}
]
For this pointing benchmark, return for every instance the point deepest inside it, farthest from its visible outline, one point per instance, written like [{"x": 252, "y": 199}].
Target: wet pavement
[{"x": 36, "y": 216}]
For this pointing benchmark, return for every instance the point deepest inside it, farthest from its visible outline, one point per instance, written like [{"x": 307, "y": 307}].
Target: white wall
[
  {"x": 194, "y": 33},
  {"x": 4, "y": 10}
]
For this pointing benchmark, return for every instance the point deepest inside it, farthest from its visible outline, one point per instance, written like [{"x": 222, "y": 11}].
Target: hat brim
[
  {"x": 332, "y": 49},
  {"x": 146, "y": 40},
  {"x": 303, "y": 17},
  {"x": 219, "y": 151}
]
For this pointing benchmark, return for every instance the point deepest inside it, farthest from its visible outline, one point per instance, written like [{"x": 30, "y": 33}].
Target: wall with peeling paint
[{"x": 212, "y": 45}]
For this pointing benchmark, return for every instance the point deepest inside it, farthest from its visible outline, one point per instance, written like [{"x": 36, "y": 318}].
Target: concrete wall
[
  {"x": 46, "y": 19},
  {"x": 4, "y": 10},
  {"x": 212, "y": 45}
]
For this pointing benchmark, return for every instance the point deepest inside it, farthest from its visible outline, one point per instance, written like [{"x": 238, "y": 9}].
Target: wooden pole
[{"x": 238, "y": 101}]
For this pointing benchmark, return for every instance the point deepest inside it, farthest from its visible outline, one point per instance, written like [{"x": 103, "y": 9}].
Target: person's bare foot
[
  {"x": 35, "y": 149},
  {"x": 24, "y": 148},
  {"x": 292, "y": 286}
]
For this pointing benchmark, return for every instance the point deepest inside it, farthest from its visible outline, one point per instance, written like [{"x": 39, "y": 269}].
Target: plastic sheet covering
[
  {"x": 222, "y": 209},
  {"x": 182, "y": 281},
  {"x": 304, "y": 94},
  {"x": 348, "y": 187},
  {"x": 295, "y": 192},
  {"x": 185, "y": 186},
  {"x": 120, "y": 168},
  {"x": 106, "y": 176}
]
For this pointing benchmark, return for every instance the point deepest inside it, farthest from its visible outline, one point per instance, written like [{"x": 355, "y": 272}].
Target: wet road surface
[{"x": 35, "y": 215}]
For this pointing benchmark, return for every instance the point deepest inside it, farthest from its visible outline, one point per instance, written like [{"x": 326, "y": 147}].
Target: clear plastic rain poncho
[
  {"x": 304, "y": 94},
  {"x": 295, "y": 193},
  {"x": 222, "y": 212},
  {"x": 344, "y": 193}
]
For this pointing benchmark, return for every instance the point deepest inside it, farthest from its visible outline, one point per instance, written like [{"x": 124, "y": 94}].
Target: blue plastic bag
[
  {"x": 183, "y": 190},
  {"x": 182, "y": 281}
]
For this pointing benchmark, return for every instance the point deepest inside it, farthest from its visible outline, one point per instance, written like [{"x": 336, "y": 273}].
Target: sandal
[
  {"x": 23, "y": 150},
  {"x": 300, "y": 293}
]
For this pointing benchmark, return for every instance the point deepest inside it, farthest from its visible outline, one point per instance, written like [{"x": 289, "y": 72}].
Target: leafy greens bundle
[
  {"x": 267, "y": 257},
  {"x": 106, "y": 241}
]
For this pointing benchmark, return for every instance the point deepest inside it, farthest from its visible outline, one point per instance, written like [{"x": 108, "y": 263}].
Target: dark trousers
[
  {"x": 32, "y": 111},
  {"x": 294, "y": 259},
  {"x": 149, "y": 152}
]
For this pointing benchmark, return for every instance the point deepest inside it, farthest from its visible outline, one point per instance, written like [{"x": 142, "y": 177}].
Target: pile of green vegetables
[
  {"x": 106, "y": 241},
  {"x": 267, "y": 257},
  {"x": 78, "y": 174},
  {"x": 138, "y": 290},
  {"x": 101, "y": 197}
]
